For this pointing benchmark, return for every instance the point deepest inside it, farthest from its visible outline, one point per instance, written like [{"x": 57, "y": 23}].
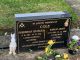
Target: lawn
[{"x": 10, "y": 7}]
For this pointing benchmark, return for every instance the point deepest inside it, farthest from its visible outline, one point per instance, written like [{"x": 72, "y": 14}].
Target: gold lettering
[
  {"x": 45, "y": 26},
  {"x": 49, "y": 22},
  {"x": 22, "y": 32},
  {"x": 37, "y": 23}
]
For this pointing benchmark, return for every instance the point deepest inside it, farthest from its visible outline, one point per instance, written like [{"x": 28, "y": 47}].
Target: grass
[{"x": 10, "y": 7}]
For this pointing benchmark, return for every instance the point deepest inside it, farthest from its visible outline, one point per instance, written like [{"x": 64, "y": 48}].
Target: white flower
[
  {"x": 75, "y": 37},
  {"x": 5, "y": 33},
  {"x": 57, "y": 56}
]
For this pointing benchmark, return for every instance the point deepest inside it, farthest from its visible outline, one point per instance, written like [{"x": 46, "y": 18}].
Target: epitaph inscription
[{"x": 36, "y": 33}]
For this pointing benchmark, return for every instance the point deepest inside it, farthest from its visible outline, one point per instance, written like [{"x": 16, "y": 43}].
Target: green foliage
[
  {"x": 48, "y": 53},
  {"x": 73, "y": 45},
  {"x": 10, "y": 7}
]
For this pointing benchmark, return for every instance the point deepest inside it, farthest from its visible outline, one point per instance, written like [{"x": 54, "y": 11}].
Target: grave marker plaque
[{"x": 34, "y": 30}]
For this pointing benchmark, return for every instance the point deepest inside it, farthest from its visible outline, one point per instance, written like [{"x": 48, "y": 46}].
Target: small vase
[
  {"x": 72, "y": 52},
  {"x": 51, "y": 58}
]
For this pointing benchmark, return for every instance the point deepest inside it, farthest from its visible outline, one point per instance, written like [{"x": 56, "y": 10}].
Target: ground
[
  {"x": 31, "y": 56},
  {"x": 75, "y": 4}
]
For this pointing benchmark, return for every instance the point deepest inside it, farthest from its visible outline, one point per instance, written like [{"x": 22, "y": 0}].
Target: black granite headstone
[{"x": 34, "y": 30}]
